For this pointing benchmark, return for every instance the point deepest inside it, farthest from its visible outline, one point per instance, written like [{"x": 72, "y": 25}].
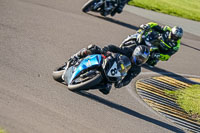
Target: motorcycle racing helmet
[
  {"x": 140, "y": 55},
  {"x": 176, "y": 33}
]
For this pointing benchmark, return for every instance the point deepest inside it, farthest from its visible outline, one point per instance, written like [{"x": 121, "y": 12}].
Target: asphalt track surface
[{"x": 38, "y": 35}]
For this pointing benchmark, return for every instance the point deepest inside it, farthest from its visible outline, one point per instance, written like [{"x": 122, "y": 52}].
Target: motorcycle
[
  {"x": 152, "y": 39},
  {"x": 104, "y": 7},
  {"x": 92, "y": 71}
]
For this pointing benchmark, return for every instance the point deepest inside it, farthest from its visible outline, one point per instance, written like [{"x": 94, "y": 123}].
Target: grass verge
[
  {"x": 2, "y": 131},
  {"x": 189, "y": 9},
  {"x": 188, "y": 99}
]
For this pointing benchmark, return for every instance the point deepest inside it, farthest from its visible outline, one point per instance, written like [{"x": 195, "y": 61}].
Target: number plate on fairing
[{"x": 113, "y": 72}]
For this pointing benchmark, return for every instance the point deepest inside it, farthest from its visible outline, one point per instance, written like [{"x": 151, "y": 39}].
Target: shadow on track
[
  {"x": 190, "y": 46},
  {"x": 169, "y": 74},
  {"x": 116, "y": 22},
  {"x": 129, "y": 111}
]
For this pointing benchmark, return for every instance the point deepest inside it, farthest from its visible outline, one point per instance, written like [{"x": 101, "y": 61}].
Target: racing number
[{"x": 113, "y": 71}]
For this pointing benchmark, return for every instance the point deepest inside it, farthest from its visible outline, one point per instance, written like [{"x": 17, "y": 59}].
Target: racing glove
[
  {"x": 105, "y": 51},
  {"x": 164, "y": 57}
]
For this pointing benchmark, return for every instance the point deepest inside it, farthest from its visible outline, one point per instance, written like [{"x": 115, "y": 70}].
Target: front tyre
[
  {"x": 57, "y": 73},
  {"x": 88, "y": 6},
  {"x": 86, "y": 84}
]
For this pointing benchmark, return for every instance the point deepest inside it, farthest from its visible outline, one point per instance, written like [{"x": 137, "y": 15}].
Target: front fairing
[{"x": 90, "y": 61}]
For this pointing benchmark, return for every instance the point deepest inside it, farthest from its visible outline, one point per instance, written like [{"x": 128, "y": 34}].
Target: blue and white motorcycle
[{"x": 92, "y": 71}]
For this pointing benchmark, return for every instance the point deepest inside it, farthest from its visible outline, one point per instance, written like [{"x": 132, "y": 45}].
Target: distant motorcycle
[
  {"x": 93, "y": 70},
  {"x": 152, "y": 39},
  {"x": 104, "y": 7}
]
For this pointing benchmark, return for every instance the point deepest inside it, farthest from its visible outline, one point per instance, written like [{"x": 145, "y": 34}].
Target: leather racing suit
[{"x": 167, "y": 48}]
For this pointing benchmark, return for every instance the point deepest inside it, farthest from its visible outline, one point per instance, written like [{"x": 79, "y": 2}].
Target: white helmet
[{"x": 176, "y": 33}]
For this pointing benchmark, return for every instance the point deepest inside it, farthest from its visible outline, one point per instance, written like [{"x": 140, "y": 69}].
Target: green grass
[
  {"x": 189, "y": 9},
  {"x": 2, "y": 131},
  {"x": 188, "y": 99}
]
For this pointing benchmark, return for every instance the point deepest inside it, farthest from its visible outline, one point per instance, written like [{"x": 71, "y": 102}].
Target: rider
[
  {"x": 138, "y": 57},
  {"x": 170, "y": 41},
  {"x": 119, "y": 8}
]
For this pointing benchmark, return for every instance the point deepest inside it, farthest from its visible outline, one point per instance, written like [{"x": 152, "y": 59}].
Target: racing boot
[
  {"x": 152, "y": 62},
  {"x": 73, "y": 59},
  {"x": 91, "y": 49},
  {"x": 104, "y": 13},
  {"x": 106, "y": 89},
  {"x": 153, "y": 59},
  {"x": 113, "y": 13},
  {"x": 118, "y": 9}
]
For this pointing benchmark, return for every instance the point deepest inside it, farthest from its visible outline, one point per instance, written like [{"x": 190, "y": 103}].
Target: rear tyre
[
  {"x": 57, "y": 73},
  {"x": 128, "y": 45},
  {"x": 87, "y": 84},
  {"x": 88, "y": 6}
]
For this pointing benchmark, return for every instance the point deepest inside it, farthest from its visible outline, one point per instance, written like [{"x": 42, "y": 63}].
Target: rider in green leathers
[{"x": 170, "y": 41}]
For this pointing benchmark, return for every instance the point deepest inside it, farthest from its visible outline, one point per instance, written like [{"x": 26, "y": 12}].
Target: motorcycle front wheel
[
  {"x": 87, "y": 84},
  {"x": 88, "y": 6},
  {"x": 58, "y": 72}
]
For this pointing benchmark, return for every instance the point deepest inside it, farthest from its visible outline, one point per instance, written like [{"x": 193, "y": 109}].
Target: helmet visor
[
  {"x": 174, "y": 37},
  {"x": 139, "y": 60},
  {"x": 140, "y": 55}
]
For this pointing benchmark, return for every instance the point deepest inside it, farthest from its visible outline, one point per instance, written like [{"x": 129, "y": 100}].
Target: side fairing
[{"x": 88, "y": 62}]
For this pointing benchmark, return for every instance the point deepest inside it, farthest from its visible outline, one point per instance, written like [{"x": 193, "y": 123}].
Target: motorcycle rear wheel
[
  {"x": 87, "y": 84},
  {"x": 128, "y": 45}
]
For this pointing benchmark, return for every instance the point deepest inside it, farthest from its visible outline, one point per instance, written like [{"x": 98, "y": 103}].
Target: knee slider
[
  {"x": 94, "y": 48},
  {"x": 91, "y": 46}
]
